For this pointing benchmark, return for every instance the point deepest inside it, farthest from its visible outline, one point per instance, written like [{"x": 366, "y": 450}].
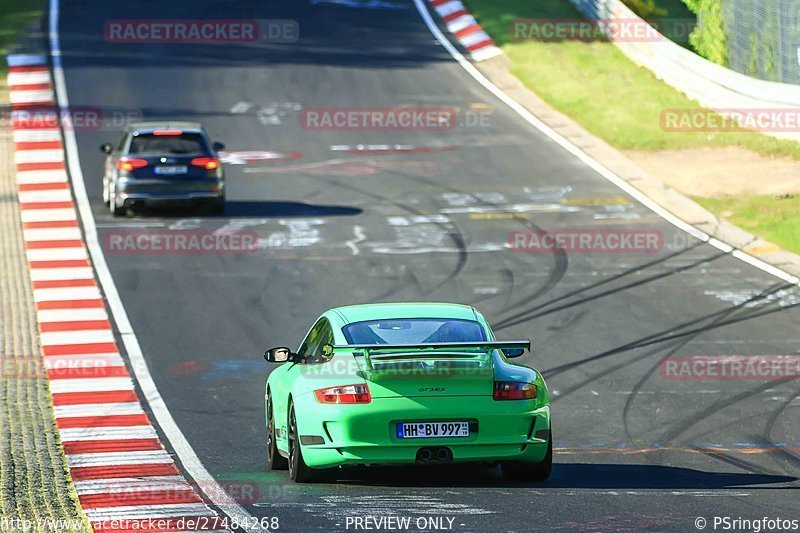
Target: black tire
[
  {"x": 117, "y": 211},
  {"x": 528, "y": 471},
  {"x": 214, "y": 207},
  {"x": 275, "y": 461},
  {"x": 299, "y": 472}
]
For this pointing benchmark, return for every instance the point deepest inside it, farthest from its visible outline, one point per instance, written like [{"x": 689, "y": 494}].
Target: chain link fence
[{"x": 764, "y": 38}]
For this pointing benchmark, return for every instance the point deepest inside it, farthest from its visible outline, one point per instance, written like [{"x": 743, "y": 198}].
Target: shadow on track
[
  {"x": 241, "y": 209},
  {"x": 565, "y": 476}
]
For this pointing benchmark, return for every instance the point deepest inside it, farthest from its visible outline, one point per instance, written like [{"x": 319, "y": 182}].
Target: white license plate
[
  {"x": 427, "y": 430},
  {"x": 171, "y": 171}
]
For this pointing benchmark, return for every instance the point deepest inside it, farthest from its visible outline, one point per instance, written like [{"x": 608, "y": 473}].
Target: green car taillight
[
  {"x": 514, "y": 390},
  {"x": 344, "y": 394}
]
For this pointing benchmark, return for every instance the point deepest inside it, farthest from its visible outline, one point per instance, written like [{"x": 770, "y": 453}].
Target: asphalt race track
[{"x": 431, "y": 221}]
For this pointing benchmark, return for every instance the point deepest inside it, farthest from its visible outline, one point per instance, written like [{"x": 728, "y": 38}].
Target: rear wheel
[
  {"x": 299, "y": 471},
  {"x": 527, "y": 471},
  {"x": 215, "y": 206},
  {"x": 275, "y": 461}
]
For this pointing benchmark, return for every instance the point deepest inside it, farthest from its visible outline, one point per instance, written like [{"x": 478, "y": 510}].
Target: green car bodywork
[{"x": 305, "y": 435}]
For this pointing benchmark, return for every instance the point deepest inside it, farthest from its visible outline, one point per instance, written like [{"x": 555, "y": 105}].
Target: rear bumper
[
  {"x": 127, "y": 200},
  {"x": 163, "y": 192},
  {"x": 366, "y": 434}
]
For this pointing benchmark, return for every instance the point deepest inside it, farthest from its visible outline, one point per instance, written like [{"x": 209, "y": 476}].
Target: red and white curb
[
  {"x": 466, "y": 29},
  {"x": 120, "y": 468}
]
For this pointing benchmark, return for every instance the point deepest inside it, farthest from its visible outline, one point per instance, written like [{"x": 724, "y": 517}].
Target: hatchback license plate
[
  {"x": 171, "y": 171},
  {"x": 426, "y": 430}
]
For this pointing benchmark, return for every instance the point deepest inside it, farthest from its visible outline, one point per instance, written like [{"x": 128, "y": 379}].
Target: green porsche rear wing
[{"x": 386, "y": 353}]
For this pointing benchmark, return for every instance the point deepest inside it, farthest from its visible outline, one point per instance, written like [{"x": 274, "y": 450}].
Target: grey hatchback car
[{"x": 163, "y": 163}]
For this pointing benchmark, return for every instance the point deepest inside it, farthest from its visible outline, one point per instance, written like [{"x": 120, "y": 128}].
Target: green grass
[
  {"x": 777, "y": 221},
  {"x": 15, "y": 16},
  {"x": 595, "y": 84}
]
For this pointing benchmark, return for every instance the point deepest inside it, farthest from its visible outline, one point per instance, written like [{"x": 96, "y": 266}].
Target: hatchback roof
[{"x": 176, "y": 125}]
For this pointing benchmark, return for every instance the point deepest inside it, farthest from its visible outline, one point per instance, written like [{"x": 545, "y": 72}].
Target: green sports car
[{"x": 405, "y": 383}]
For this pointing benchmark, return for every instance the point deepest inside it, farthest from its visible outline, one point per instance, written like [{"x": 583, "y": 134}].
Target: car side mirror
[
  {"x": 511, "y": 353},
  {"x": 106, "y": 148},
  {"x": 217, "y": 146},
  {"x": 281, "y": 354}
]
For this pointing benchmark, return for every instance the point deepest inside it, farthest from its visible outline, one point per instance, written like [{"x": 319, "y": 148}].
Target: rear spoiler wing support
[{"x": 425, "y": 350}]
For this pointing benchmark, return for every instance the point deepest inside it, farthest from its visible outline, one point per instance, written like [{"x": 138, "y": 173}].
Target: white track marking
[
  {"x": 90, "y": 385},
  {"x": 28, "y": 78},
  {"x": 107, "y": 433},
  {"x": 52, "y": 234},
  {"x": 485, "y": 53},
  {"x": 55, "y": 195},
  {"x": 57, "y": 254},
  {"x": 31, "y": 97},
  {"x": 58, "y": 362},
  {"x": 464, "y": 21},
  {"x": 474, "y": 38},
  {"x": 188, "y": 457},
  {"x": 129, "y": 484},
  {"x": 26, "y": 177},
  {"x": 118, "y": 458},
  {"x": 449, "y": 8},
  {"x": 48, "y": 215},
  {"x": 66, "y": 294},
  {"x": 56, "y": 338},
  {"x": 98, "y": 409},
  {"x": 589, "y": 161},
  {"x": 43, "y": 135},
  {"x": 69, "y": 315},
  {"x": 51, "y": 274},
  {"x": 143, "y": 512},
  {"x": 38, "y": 155}
]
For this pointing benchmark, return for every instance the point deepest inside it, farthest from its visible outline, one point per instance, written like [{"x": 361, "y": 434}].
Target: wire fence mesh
[{"x": 764, "y": 38}]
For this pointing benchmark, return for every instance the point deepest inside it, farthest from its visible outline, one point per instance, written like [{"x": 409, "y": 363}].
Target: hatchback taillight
[
  {"x": 514, "y": 390},
  {"x": 129, "y": 164},
  {"x": 208, "y": 163},
  {"x": 344, "y": 394}
]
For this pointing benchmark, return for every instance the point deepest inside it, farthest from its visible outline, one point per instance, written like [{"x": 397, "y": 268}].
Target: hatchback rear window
[
  {"x": 414, "y": 330},
  {"x": 183, "y": 144}
]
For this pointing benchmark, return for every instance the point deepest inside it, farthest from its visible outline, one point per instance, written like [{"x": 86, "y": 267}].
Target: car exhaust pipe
[
  {"x": 444, "y": 455},
  {"x": 424, "y": 455},
  {"x": 434, "y": 456}
]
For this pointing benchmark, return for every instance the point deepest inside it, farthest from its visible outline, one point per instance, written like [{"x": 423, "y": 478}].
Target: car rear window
[
  {"x": 183, "y": 144},
  {"x": 414, "y": 330}
]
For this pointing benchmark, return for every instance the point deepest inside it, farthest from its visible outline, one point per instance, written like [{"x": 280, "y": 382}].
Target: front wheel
[
  {"x": 527, "y": 471},
  {"x": 275, "y": 461},
  {"x": 299, "y": 471}
]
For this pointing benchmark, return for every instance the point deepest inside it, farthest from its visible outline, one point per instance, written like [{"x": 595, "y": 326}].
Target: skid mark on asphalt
[{"x": 335, "y": 507}]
